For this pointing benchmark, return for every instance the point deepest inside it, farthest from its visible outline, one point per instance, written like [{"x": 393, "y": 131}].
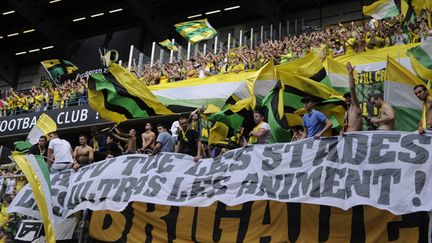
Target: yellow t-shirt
[
  {"x": 56, "y": 96},
  {"x": 38, "y": 99}
]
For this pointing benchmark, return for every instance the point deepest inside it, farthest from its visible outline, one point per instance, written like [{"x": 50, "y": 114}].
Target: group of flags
[{"x": 382, "y": 9}]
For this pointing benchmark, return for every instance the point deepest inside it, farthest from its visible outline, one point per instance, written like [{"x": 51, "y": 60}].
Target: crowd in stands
[
  {"x": 331, "y": 41},
  {"x": 53, "y": 96}
]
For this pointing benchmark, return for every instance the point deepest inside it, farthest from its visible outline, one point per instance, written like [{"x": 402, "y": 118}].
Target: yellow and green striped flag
[
  {"x": 119, "y": 95},
  {"x": 37, "y": 174},
  {"x": 57, "y": 68},
  {"x": 169, "y": 45},
  {"x": 196, "y": 30}
]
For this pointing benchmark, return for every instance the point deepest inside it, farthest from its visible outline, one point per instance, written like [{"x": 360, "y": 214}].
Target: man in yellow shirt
[{"x": 38, "y": 100}]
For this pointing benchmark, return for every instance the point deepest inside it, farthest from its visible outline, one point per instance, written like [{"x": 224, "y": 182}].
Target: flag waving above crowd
[
  {"x": 58, "y": 68},
  {"x": 196, "y": 30},
  {"x": 381, "y": 9}
]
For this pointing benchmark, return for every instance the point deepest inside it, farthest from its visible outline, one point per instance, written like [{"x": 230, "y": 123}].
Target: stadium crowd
[{"x": 331, "y": 41}]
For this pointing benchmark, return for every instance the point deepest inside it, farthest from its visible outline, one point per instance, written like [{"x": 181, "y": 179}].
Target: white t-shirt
[
  {"x": 266, "y": 138},
  {"x": 174, "y": 128},
  {"x": 61, "y": 150}
]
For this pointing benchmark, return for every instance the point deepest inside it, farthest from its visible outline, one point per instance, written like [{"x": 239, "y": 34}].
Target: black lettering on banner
[
  {"x": 294, "y": 221},
  {"x": 266, "y": 220},
  {"x": 243, "y": 214},
  {"x": 26, "y": 201},
  {"x": 275, "y": 158},
  {"x": 288, "y": 180},
  {"x": 129, "y": 214},
  {"x": 324, "y": 223},
  {"x": 149, "y": 164},
  {"x": 149, "y": 228},
  {"x": 107, "y": 185},
  {"x": 297, "y": 152},
  {"x": 327, "y": 149},
  {"x": 141, "y": 182},
  {"x": 241, "y": 156},
  {"x": 330, "y": 182},
  {"x": 100, "y": 167},
  {"x": 418, "y": 219},
  {"x": 78, "y": 194},
  {"x": 193, "y": 170},
  {"x": 171, "y": 223},
  {"x": 127, "y": 184},
  {"x": 358, "y": 229},
  {"x": 353, "y": 155},
  {"x": 270, "y": 185},
  {"x": 61, "y": 178},
  {"x": 173, "y": 196},
  {"x": 60, "y": 197},
  {"x": 219, "y": 188},
  {"x": 217, "y": 166},
  {"x": 197, "y": 189},
  {"x": 304, "y": 181},
  {"x": 361, "y": 186},
  {"x": 84, "y": 171},
  {"x": 249, "y": 184},
  {"x": 130, "y": 165},
  {"x": 378, "y": 144},
  {"x": 167, "y": 159},
  {"x": 29, "y": 228},
  {"x": 421, "y": 155},
  {"x": 386, "y": 176},
  {"x": 155, "y": 184}
]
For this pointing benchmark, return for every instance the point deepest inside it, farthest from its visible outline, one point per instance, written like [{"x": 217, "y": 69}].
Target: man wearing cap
[
  {"x": 315, "y": 123},
  {"x": 353, "y": 121}
]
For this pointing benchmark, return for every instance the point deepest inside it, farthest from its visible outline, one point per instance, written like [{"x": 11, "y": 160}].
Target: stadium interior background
[{"x": 36, "y": 30}]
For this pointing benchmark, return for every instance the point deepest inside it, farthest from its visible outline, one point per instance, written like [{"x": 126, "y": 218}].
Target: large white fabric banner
[{"x": 387, "y": 170}]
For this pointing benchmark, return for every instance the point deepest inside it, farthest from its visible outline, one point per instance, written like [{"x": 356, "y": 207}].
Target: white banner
[{"x": 387, "y": 170}]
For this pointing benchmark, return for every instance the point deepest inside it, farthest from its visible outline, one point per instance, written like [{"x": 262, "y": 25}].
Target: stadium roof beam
[
  {"x": 42, "y": 21},
  {"x": 150, "y": 18}
]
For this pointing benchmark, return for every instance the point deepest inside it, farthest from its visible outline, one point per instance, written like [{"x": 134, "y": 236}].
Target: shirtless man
[
  {"x": 422, "y": 94},
  {"x": 128, "y": 138},
  {"x": 148, "y": 137},
  {"x": 386, "y": 117},
  {"x": 353, "y": 114},
  {"x": 83, "y": 154}
]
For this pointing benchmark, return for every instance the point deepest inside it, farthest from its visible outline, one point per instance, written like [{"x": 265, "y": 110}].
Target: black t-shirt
[
  {"x": 36, "y": 151},
  {"x": 188, "y": 142},
  {"x": 113, "y": 149}
]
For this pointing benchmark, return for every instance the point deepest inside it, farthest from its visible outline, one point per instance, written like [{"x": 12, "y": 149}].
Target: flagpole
[
  {"x": 152, "y": 54},
  {"x": 172, "y": 52}
]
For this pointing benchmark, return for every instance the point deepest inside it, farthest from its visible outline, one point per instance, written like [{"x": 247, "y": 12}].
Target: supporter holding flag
[{"x": 128, "y": 138}]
